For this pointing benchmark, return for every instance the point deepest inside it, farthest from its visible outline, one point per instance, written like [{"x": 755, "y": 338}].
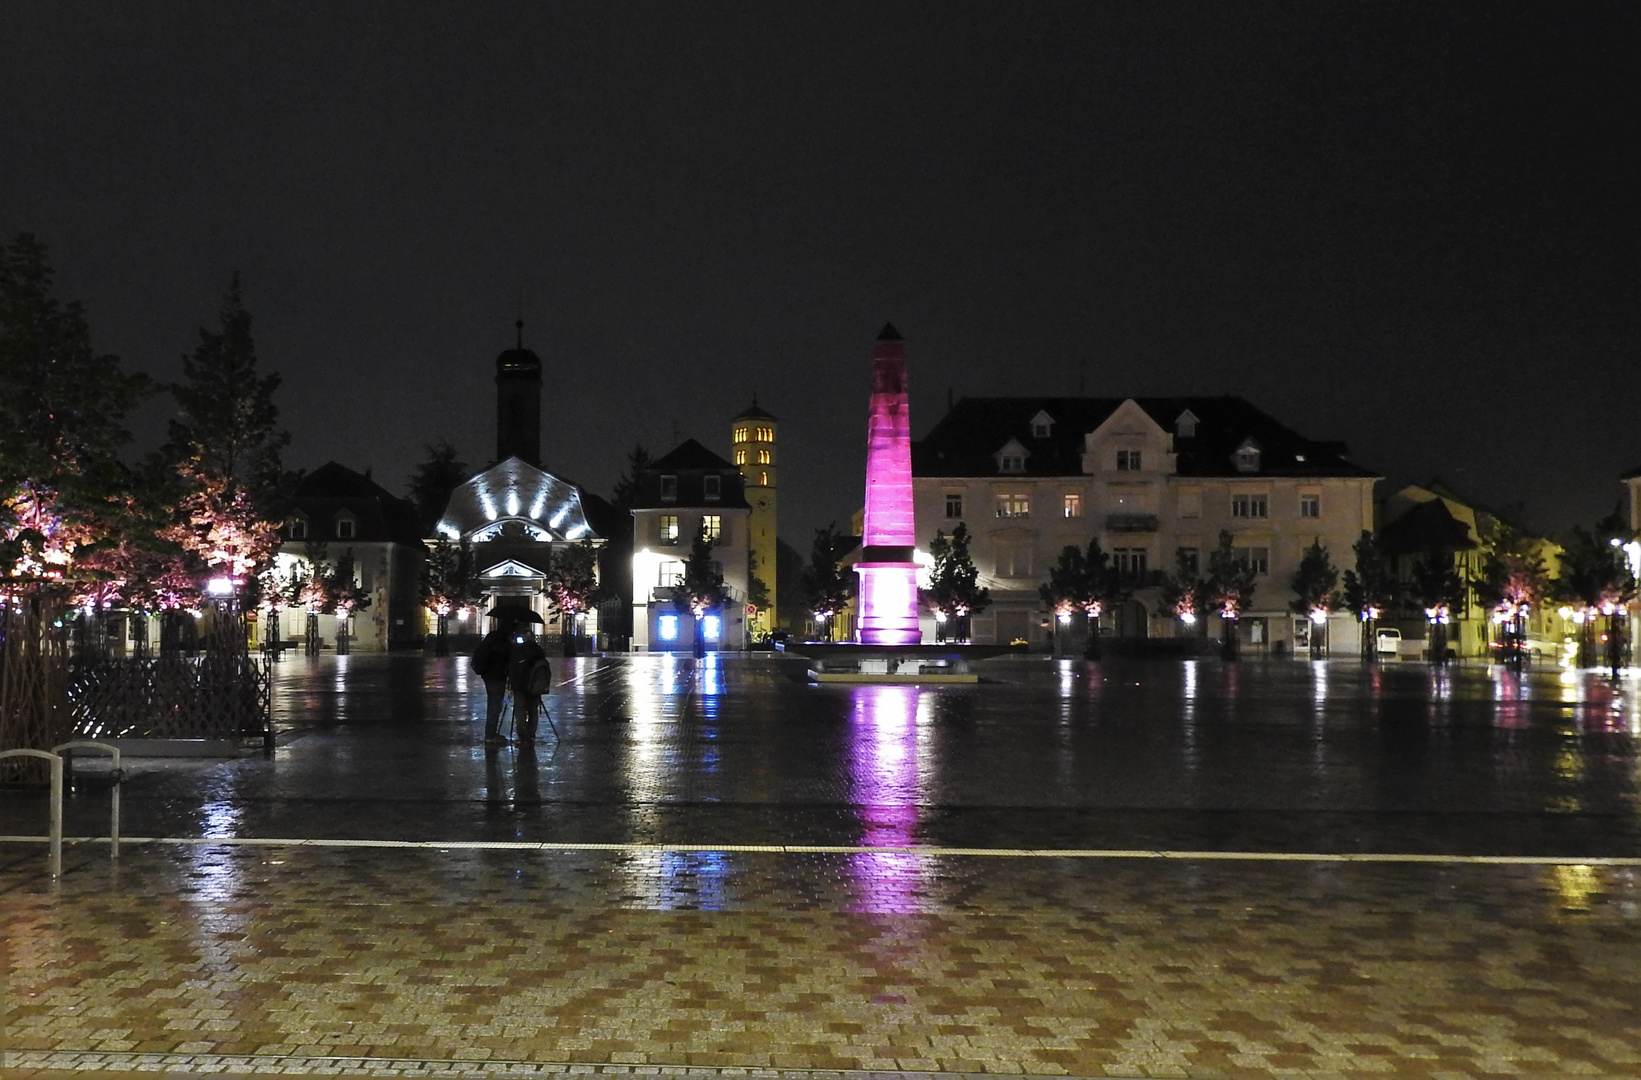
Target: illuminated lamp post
[{"x": 887, "y": 566}]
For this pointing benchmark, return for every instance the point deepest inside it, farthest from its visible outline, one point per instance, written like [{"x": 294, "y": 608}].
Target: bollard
[
  {"x": 56, "y": 836},
  {"x": 119, "y": 779}
]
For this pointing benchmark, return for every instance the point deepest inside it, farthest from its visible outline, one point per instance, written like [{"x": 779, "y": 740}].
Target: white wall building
[{"x": 1148, "y": 476}]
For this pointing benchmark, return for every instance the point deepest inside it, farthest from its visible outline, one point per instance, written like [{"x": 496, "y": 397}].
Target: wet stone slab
[{"x": 841, "y": 962}]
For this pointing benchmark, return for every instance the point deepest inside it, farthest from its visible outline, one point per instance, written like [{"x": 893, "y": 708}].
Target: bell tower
[
  {"x": 753, "y": 435},
  {"x": 518, "y": 403}
]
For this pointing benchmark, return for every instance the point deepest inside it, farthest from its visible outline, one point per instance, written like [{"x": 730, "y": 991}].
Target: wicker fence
[{"x": 206, "y": 697}]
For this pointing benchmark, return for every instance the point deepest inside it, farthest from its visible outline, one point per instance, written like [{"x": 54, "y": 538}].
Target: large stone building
[
  {"x": 1149, "y": 477},
  {"x": 686, "y": 492}
]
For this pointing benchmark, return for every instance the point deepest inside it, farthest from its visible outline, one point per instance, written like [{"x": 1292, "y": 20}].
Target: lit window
[
  {"x": 740, "y": 434},
  {"x": 344, "y": 526},
  {"x": 1014, "y": 505},
  {"x": 712, "y": 526},
  {"x": 711, "y": 626},
  {"x": 766, "y": 434},
  {"x": 740, "y": 456},
  {"x": 1259, "y": 558},
  {"x": 713, "y": 487},
  {"x": 299, "y": 528},
  {"x": 1310, "y": 506},
  {"x": 763, "y": 479},
  {"x": 1011, "y": 463},
  {"x": 669, "y": 528},
  {"x": 765, "y": 457},
  {"x": 669, "y": 489},
  {"x": 954, "y": 505},
  {"x": 1250, "y": 506},
  {"x": 1072, "y": 504},
  {"x": 1128, "y": 461},
  {"x": 669, "y": 572},
  {"x": 668, "y": 628}
]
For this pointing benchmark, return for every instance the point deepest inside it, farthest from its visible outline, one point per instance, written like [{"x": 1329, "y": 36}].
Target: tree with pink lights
[
  {"x": 1368, "y": 590},
  {"x": 1184, "y": 593},
  {"x": 1512, "y": 583},
  {"x": 1083, "y": 582},
  {"x": 827, "y": 589},
  {"x": 1595, "y": 582},
  {"x": 448, "y": 583},
  {"x": 347, "y": 597},
  {"x": 572, "y": 586},
  {"x": 1231, "y": 583},
  {"x": 62, "y": 486},
  {"x": 954, "y": 591},
  {"x": 1313, "y": 584}
]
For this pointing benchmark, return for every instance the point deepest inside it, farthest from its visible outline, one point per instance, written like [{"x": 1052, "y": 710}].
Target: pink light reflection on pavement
[{"x": 888, "y": 781}]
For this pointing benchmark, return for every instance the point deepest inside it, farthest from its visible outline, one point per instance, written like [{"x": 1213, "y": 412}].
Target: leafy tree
[
  {"x": 447, "y": 583},
  {"x": 1313, "y": 585},
  {"x": 1184, "y": 593},
  {"x": 701, "y": 589},
  {"x": 1368, "y": 589},
  {"x": 1231, "y": 582},
  {"x": 1438, "y": 590},
  {"x": 1511, "y": 582},
  {"x": 346, "y": 595},
  {"x": 827, "y": 589},
  {"x": 954, "y": 590},
  {"x": 1084, "y": 581},
  {"x": 1595, "y": 580},
  {"x": 225, "y": 444},
  {"x": 572, "y": 584},
  {"x": 757, "y": 590},
  {"x": 433, "y": 482},
  {"x": 626, "y": 488},
  {"x": 64, "y": 494}
]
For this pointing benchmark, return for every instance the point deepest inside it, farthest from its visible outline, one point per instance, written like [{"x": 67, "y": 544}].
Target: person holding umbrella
[{"x": 492, "y": 661}]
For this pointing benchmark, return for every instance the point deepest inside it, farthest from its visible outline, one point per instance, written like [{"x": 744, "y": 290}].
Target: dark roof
[
  {"x": 378, "y": 514},
  {"x": 689, "y": 454},
  {"x": 752, "y": 412},
  {"x": 690, "y": 463},
  {"x": 1426, "y": 526},
  {"x": 964, "y": 441}
]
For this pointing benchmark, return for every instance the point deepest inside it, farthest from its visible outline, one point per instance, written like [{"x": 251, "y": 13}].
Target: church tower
[
  {"x": 753, "y": 436},
  {"x": 518, "y": 403}
]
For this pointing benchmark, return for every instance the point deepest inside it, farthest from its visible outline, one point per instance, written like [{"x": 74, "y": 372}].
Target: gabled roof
[
  {"x": 378, "y": 514},
  {"x": 1427, "y": 526},
  {"x": 963, "y": 441},
  {"x": 544, "y": 506},
  {"x": 689, "y": 454}
]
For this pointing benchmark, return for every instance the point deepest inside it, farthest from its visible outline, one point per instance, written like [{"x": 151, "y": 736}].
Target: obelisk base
[{"x": 888, "y": 603}]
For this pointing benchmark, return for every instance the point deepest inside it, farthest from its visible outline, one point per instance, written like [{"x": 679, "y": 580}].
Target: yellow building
[{"x": 752, "y": 435}]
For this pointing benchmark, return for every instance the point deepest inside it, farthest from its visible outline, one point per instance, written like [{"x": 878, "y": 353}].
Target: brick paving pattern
[{"x": 198, "y": 959}]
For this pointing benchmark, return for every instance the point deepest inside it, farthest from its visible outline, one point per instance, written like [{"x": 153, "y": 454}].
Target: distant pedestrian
[
  {"x": 529, "y": 676},
  {"x": 490, "y": 663}
]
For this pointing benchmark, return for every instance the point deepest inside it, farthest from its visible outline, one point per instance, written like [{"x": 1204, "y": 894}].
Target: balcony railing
[{"x": 1131, "y": 523}]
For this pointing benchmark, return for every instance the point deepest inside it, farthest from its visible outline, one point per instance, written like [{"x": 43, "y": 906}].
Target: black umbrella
[{"x": 513, "y": 613}]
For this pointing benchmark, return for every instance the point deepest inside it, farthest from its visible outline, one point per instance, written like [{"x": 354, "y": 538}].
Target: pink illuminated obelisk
[{"x": 888, "y": 574}]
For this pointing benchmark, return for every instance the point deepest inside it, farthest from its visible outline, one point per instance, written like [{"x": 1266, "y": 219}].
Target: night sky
[{"x": 1412, "y": 227}]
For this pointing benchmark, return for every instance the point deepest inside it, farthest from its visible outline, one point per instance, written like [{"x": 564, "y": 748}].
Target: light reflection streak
[{"x": 888, "y": 777}]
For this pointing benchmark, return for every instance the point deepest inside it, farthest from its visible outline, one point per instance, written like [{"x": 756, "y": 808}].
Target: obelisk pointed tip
[{"x": 889, "y": 333}]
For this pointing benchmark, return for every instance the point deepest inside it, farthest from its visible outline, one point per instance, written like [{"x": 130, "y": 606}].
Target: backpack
[
  {"x": 541, "y": 678},
  {"x": 490, "y": 658}
]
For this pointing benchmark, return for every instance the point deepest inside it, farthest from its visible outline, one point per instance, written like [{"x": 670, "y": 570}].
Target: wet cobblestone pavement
[{"x": 971, "y": 922}]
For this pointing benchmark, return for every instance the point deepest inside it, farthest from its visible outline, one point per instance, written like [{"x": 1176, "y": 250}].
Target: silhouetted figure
[{"x": 490, "y": 662}]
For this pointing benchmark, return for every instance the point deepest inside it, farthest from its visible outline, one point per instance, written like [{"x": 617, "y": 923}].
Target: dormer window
[
  {"x": 712, "y": 487},
  {"x": 298, "y": 528},
  {"x": 1042, "y": 425},
  {"x": 345, "y": 526},
  {"x": 1185, "y": 425},
  {"x": 1247, "y": 457},
  {"x": 669, "y": 489},
  {"x": 1012, "y": 458}
]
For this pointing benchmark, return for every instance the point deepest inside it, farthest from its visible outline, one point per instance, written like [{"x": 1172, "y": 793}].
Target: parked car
[{"x": 1388, "y": 641}]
